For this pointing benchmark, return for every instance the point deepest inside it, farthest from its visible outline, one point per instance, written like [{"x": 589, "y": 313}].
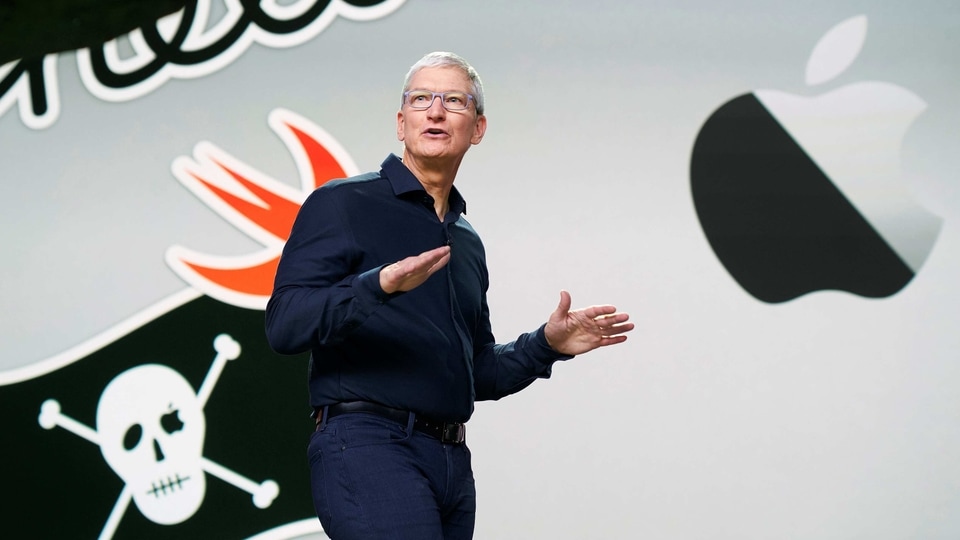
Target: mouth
[{"x": 434, "y": 131}]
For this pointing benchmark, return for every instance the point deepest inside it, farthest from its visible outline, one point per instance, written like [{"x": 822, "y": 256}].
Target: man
[{"x": 385, "y": 282}]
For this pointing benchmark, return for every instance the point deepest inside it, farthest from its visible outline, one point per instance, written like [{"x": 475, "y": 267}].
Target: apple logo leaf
[{"x": 836, "y": 50}]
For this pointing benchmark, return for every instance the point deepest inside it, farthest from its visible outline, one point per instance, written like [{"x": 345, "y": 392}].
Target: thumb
[
  {"x": 556, "y": 325},
  {"x": 564, "y": 306}
]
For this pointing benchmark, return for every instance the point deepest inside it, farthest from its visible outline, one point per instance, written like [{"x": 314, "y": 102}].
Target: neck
[{"x": 437, "y": 179}]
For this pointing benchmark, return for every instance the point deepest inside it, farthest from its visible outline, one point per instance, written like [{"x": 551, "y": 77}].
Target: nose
[
  {"x": 436, "y": 108},
  {"x": 157, "y": 451}
]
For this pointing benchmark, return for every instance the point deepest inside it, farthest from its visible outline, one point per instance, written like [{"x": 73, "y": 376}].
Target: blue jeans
[{"x": 373, "y": 478}]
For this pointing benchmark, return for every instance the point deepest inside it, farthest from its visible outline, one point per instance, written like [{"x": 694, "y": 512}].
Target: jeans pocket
[
  {"x": 322, "y": 448},
  {"x": 315, "y": 446}
]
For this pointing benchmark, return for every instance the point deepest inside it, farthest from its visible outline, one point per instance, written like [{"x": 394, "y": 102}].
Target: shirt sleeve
[
  {"x": 503, "y": 369},
  {"x": 319, "y": 293}
]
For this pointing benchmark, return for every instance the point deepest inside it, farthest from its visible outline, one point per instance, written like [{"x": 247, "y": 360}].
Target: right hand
[{"x": 411, "y": 272}]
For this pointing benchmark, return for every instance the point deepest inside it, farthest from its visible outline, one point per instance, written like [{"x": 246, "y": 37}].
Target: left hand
[{"x": 582, "y": 330}]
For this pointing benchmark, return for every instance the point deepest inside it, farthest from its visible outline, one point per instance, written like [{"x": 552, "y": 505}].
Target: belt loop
[
  {"x": 411, "y": 419},
  {"x": 322, "y": 418}
]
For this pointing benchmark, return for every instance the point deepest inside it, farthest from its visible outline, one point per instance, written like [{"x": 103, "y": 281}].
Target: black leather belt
[{"x": 447, "y": 432}]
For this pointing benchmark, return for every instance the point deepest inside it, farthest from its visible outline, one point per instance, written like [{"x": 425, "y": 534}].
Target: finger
[
  {"x": 437, "y": 252},
  {"x": 424, "y": 261},
  {"x": 612, "y": 340},
  {"x": 430, "y": 258},
  {"x": 412, "y": 271},
  {"x": 565, "y": 302},
  {"x": 439, "y": 264},
  {"x": 617, "y": 329},
  {"x": 611, "y": 319},
  {"x": 598, "y": 311}
]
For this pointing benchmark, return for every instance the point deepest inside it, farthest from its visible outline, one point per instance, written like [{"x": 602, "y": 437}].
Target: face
[{"x": 436, "y": 133}]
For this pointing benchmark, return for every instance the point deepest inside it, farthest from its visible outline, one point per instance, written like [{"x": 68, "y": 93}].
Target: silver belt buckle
[{"x": 454, "y": 433}]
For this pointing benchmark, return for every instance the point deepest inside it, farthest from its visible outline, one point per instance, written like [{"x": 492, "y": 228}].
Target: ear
[
  {"x": 479, "y": 129},
  {"x": 400, "y": 126}
]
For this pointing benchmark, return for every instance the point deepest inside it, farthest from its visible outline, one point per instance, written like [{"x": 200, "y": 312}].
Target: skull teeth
[{"x": 166, "y": 486}]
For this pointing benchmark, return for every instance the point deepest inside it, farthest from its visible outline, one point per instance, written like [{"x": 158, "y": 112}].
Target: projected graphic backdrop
[{"x": 769, "y": 191}]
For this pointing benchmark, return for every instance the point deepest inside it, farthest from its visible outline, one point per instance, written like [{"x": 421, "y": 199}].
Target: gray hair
[{"x": 441, "y": 59}]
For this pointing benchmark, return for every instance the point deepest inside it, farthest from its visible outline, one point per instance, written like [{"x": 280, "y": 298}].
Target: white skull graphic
[{"x": 151, "y": 428}]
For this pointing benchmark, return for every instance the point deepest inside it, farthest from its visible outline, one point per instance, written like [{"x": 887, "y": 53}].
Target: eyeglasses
[{"x": 423, "y": 99}]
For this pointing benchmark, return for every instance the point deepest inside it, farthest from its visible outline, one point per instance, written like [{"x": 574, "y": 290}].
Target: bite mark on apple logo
[{"x": 802, "y": 194}]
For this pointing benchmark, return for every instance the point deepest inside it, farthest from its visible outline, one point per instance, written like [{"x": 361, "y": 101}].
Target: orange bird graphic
[{"x": 255, "y": 203}]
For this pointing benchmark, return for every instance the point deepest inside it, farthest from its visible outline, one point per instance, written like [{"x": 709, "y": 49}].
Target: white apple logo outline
[{"x": 854, "y": 134}]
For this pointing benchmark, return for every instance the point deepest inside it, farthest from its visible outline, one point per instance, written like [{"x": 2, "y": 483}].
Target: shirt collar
[{"x": 405, "y": 183}]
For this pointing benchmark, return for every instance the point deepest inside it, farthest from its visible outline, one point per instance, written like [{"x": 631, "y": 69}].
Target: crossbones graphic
[{"x": 150, "y": 430}]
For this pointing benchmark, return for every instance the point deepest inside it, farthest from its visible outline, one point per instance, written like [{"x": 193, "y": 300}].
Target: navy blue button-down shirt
[{"x": 429, "y": 350}]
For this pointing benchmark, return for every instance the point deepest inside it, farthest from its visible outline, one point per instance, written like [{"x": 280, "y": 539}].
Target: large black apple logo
[{"x": 801, "y": 194}]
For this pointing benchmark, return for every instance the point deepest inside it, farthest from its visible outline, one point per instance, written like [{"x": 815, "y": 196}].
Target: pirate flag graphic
[{"x": 179, "y": 422}]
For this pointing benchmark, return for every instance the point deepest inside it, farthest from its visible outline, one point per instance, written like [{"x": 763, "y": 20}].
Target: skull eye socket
[{"x": 132, "y": 437}]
